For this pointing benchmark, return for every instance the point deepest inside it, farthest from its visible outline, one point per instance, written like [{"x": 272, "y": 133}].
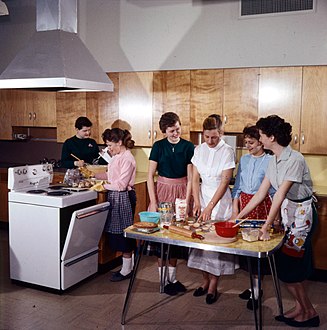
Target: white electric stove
[{"x": 53, "y": 234}]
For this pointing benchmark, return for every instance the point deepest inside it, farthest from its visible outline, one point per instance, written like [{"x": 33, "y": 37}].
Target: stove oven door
[{"x": 79, "y": 257}]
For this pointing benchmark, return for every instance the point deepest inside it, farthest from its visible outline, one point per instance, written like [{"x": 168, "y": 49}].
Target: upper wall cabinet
[
  {"x": 172, "y": 93},
  {"x": 314, "y": 110},
  {"x": 31, "y": 108},
  {"x": 5, "y": 117},
  {"x": 135, "y": 104},
  {"x": 240, "y": 98},
  {"x": 280, "y": 94},
  {"x": 206, "y": 96}
]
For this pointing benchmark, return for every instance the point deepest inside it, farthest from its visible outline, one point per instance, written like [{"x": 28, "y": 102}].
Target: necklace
[{"x": 172, "y": 145}]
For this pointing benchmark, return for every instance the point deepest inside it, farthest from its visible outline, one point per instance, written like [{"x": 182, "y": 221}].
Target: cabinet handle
[
  {"x": 225, "y": 119},
  {"x": 296, "y": 138},
  {"x": 149, "y": 134},
  {"x": 155, "y": 134},
  {"x": 34, "y": 115},
  {"x": 30, "y": 115},
  {"x": 302, "y": 138}
]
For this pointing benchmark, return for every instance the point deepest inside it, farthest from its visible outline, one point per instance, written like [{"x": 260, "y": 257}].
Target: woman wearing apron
[
  {"x": 121, "y": 195},
  {"x": 171, "y": 157},
  {"x": 250, "y": 173},
  {"x": 213, "y": 163},
  {"x": 289, "y": 174}
]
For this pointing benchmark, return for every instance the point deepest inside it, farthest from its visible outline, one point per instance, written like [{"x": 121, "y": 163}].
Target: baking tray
[{"x": 146, "y": 230}]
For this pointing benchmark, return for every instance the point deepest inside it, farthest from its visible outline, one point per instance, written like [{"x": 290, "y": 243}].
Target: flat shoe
[
  {"x": 170, "y": 289},
  {"x": 249, "y": 304},
  {"x": 210, "y": 298},
  {"x": 179, "y": 287},
  {"x": 117, "y": 276},
  {"x": 282, "y": 318},
  {"x": 245, "y": 295},
  {"x": 199, "y": 292},
  {"x": 313, "y": 322}
]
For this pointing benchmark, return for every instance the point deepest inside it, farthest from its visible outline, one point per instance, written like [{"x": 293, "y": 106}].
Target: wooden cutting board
[{"x": 212, "y": 237}]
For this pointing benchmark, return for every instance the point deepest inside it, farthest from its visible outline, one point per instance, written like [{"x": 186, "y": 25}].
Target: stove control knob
[
  {"x": 34, "y": 171},
  {"x": 24, "y": 171},
  {"x": 19, "y": 172}
]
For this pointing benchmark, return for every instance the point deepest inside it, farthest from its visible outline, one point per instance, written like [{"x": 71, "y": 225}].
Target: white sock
[
  {"x": 127, "y": 266},
  {"x": 255, "y": 288},
  {"x": 172, "y": 274},
  {"x": 163, "y": 274}
]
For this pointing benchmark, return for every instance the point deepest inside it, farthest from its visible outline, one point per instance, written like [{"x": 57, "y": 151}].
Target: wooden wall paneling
[
  {"x": 178, "y": 97},
  {"x": 92, "y": 113},
  {"x": 206, "y": 96},
  {"x": 314, "y": 110},
  {"x": 135, "y": 104},
  {"x": 70, "y": 106},
  {"x": 19, "y": 113},
  {"x": 159, "y": 102},
  {"x": 5, "y": 115},
  {"x": 240, "y": 98},
  {"x": 280, "y": 91},
  {"x": 108, "y": 106},
  {"x": 44, "y": 109}
]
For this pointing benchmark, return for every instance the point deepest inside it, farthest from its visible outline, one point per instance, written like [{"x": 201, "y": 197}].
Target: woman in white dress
[{"x": 213, "y": 163}]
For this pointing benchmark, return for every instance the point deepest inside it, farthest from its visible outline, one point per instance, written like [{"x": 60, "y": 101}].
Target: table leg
[
  {"x": 163, "y": 275},
  {"x": 278, "y": 294},
  {"x": 141, "y": 249},
  {"x": 252, "y": 290}
]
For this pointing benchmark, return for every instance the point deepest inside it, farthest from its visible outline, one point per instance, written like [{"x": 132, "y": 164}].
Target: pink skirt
[{"x": 170, "y": 189}]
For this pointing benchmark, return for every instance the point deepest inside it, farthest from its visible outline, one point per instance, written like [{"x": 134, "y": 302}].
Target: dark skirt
[
  {"x": 297, "y": 269},
  {"x": 117, "y": 242},
  {"x": 175, "y": 252}
]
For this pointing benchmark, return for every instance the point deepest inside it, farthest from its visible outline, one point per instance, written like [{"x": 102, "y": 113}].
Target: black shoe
[
  {"x": 199, "y": 292},
  {"x": 245, "y": 295},
  {"x": 118, "y": 276},
  {"x": 249, "y": 304},
  {"x": 170, "y": 289},
  {"x": 210, "y": 298},
  {"x": 313, "y": 322},
  {"x": 282, "y": 318},
  {"x": 179, "y": 287}
]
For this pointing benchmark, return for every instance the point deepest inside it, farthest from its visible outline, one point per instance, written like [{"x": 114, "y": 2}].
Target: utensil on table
[
  {"x": 237, "y": 224},
  {"x": 183, "y": 232},
  {"x": 78, "y": 159}
]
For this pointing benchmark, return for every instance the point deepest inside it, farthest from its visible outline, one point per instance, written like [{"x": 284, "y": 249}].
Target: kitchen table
[{"x": 258, "y": 249}]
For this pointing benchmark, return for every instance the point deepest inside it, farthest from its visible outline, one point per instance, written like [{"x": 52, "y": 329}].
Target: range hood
[{"x": 55, "y": 58}]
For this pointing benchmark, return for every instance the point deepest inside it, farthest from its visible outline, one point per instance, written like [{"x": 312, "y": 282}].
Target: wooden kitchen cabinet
[
  {"x": 314, "y": 110},
  {"x": 319, "y": 242},
  {"x": 4, "y": 195},
  {"x": 171, "y": 92},
  {"x": 5, "y": 115},
  {"x": 280, "y": 91},
  {"x": 207, "y": 88},
  {"x": 240, "y": 98},
  {"x": 31, "y": 108}
]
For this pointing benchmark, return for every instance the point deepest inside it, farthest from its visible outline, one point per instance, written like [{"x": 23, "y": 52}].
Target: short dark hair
[
  {"x": 82, "y": 122},
  {"x": 118, "y": 134},
  {"x": 212, "y": 122},
  {"x": 251, "y": 131},
  {"x": 168, "y": 119},
  {"x": 276, "y": 126}
]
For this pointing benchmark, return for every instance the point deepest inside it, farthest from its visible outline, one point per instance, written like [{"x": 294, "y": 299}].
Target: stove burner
[
  {"x": 36, "y": 191},
  {"x": 57, "y": 187},
  {"x": 59, "y": 193}
]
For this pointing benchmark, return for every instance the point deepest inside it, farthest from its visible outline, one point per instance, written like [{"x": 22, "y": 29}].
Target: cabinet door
[
  {"x": 280, "y": 94},
  {"x": 70, "y": 106},
  {"x": 43, "y": 109},
  {"x": 5, "y": 115},
  {"x": 21, "y": 114},
  {"x": 172, "y": 93},
  {"x": 142, "y": 199},
  {"x": 135, "y": 104},
  {"x": 240, "y": 98},
  {"x": 314, "y": 110},
  {"x": 206, "y": 96}
]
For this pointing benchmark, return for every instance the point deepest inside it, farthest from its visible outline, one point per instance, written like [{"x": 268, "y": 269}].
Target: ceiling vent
[{"x": 263, "y": 7}]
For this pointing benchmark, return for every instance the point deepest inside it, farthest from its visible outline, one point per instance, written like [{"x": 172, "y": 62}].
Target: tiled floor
[{"x": 98, "y": 303}]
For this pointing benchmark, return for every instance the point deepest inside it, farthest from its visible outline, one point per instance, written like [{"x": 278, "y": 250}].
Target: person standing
[
  {"x": 250, "y": 173},
  {"x": 80, "y": 145},
  {"x": 171, "y": 157},
  {"x": 289, "y": 174},
  {"x": 213, "y": 163},
  {"x": 121, "y": 196}
]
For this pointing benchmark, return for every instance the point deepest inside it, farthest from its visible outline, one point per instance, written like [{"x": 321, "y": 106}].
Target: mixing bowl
[
  {"x": 150, "y": 216},
  {"x": 225, "y": 229}
]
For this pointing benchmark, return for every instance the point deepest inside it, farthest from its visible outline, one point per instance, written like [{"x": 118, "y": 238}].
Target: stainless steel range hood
[{"x": 55, "y": 58}]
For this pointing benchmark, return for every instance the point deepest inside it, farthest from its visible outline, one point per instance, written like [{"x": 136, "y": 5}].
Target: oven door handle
[{"x": 90, "y": 213}]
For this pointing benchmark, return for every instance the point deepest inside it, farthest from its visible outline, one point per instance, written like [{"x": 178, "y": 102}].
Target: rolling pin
[{"x": 183, "y": 232}]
